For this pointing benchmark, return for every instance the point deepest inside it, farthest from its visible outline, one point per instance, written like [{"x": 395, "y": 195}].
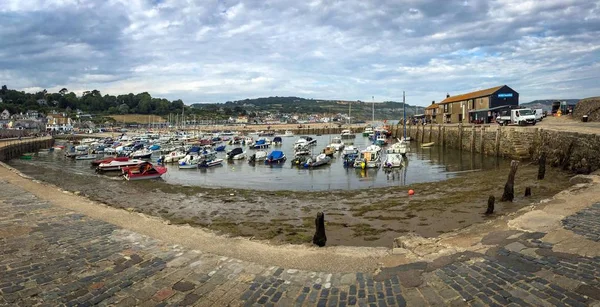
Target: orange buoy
[{"x": 411, "y": 192}]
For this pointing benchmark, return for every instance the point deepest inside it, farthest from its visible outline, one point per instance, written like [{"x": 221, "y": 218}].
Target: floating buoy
[
  {"x": 363, "y": 165},
  {"x": 411, "y": 192}
]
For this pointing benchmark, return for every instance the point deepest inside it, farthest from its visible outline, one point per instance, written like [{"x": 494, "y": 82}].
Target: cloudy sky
[{"x": 215, "y": 50}]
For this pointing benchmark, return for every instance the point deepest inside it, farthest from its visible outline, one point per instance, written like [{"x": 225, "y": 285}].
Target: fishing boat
[
  {"x": 369, "y": 157},
  {"x": 236, "y": 154},
  {"x": 174, "y": 156},
  {"x": 347, "y": 134},
  {"x": 108, "y": 160},
  {"x": 399, "y": 148},
  {"x": 276, "y": 156},
  {"x": 337, "y": 143},
  {"x": 304, "y": 141},
  {"x": 261, "y": 144},
  {"x": 349, "y": 155},
  {"x": 116, "y": 165},
  {"x": 87, "y": 157},
  {"x": 368, "y": 131},
  {"x": 320, "y": 160},
  {"x": 210, "y": 163},
  {"x": 381, "y": 139},
  {"x": 277, "y": 140},
  {"x": 329, "y": 151},
  {"x": 425, "y": 145},
  {"x": 141, "y": 154},
  {"x": 143, "y": 170}
]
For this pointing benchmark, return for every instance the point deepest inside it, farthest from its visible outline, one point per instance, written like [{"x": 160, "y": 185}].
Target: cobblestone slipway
[{"x": 53, "y": 256}]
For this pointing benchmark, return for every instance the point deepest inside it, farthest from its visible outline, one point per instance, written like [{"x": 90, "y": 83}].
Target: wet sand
[{"x": 370, "y": 217}]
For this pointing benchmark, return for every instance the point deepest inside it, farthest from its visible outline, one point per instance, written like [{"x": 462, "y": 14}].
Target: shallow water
[
  {"x": 425, "y": 165},
  {"x": 355, "y": 213}
]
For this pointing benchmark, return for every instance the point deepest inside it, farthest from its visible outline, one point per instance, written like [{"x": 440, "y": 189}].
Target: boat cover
[
  {"x": 276, "y": 155},
  {"x": 234, "y": 152}
]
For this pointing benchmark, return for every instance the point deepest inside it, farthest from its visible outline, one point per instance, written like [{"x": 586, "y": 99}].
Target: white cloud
[{"x": 225, "y": 50}]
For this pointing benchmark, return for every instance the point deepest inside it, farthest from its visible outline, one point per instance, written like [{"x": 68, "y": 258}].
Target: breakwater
[
  {"x": 10, "y": 149},
  {"x": 571, "y": 151}
]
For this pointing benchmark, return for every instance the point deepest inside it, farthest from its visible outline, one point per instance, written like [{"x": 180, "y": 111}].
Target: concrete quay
[{"x": 60, "y": 249}]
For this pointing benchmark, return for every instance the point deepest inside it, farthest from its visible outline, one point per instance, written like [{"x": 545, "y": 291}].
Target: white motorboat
[
  {"x": 174, "y": 156},
  {"x": 347, "y": 134},
  {"x": 190, "y": 161},
  {"x": 304, "y": 141},
  {"x": 82, "y": 147},
  {"x": 141, "y": 154},
  {"x": 87, "y": 157},
  {"x": 288, "y": 133},
  {"x": 236, "y": 154},
  {"x": 369, "y": 157},
  {"x": 394, "y": 160},
  {"x": 116, "y": 165},
  {"x": 350, "y": 150},
  {"x": 337, "y": 143},
  {"x": 399, "y": 148}
]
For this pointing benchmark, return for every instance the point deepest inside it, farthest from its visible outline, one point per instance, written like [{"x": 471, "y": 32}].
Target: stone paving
[{"x": 55, "y": 257}]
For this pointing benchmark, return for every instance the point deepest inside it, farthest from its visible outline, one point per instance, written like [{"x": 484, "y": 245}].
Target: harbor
[{"x": 277, "y": 202}]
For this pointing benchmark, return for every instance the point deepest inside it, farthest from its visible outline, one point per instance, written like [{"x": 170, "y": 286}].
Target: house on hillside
[
  {"x": 42, "y": 102},
  {"x": 32, "y": 114},
  {"x": 241, "y": 120},
  {"x": 476, "y": 107},
  {"x": 58, "y": 122},
  {"x": 5, "y": 114}
]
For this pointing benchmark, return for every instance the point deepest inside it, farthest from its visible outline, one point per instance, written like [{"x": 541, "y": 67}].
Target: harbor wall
[
  {"x": 571, "y": 151},
  {"x": 15, "y": 148}
]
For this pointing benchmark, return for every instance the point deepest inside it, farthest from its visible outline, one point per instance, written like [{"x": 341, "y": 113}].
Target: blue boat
[
  {"x": 220, "y": 148},
  {"x": 275, "y": 157},
  {"x": 154, "y": 147},
  {"x": 260, "y": 144}
]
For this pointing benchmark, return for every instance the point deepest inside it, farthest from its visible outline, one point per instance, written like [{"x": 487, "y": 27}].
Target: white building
[
  {"x": 58, "y": 122},
  {"x": 5, "y": 114}
]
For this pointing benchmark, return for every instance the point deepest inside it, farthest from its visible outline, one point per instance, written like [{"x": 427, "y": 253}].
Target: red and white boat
[
  {"x": 143, "y": 170},
  {"x": 116, "y": 165},
  {"x": 109, "y": 159}
]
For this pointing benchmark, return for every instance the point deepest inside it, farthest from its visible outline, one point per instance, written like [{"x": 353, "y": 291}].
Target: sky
[{"x": 216, "y": 50}]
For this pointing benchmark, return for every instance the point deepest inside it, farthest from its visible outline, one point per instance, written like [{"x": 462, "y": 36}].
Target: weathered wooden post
[
  {"x": 542, "y": 166},
  {"x": 527, "y": 191},
  {"x": 491, "y": 201},
  {"x": 509, "y": 187},
  {"x": 320, "y": 238}
]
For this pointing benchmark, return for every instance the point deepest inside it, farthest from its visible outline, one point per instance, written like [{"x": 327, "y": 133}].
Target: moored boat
[
  {"x": 87, "y": 157},
  {"x": 236, "y": 154},
  {"x": 304, "y": 141},
  {"x": 320, "y": 160},
  {"x": 394, "y": 160},
  {"x": 277, "y": 140},
  {"x": 190, "y": 161},
  {"x": 116, "y": 165},
  {"x": 337, "y": 143},
  {"x": 367, "y": 131},
  {"x": 141, "y": 154},
  {"x": 276, "y": 156},
  {"x": 144, "y": 170},
  {"x": 347, "y": 134},
  {"x": 108, "y": 160},
  {"x": 424, "y": 145},
  {"x": 261, "y": 144},
  {"x": 210, "y": 163},
  {"x": 369, "y": 157},
  {"x": 399, "y": 148},
  {"x": 173, "y": 157}
]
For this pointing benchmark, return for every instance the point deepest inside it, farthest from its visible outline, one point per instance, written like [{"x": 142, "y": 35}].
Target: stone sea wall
[{"x": 572, "y": 151}]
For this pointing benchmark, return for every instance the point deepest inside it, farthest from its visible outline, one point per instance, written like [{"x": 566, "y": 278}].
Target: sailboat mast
[
  {"x": 404, "y": 113},
  {"x": 349, "y": 113},
  {"x": 373, "y": 109}
]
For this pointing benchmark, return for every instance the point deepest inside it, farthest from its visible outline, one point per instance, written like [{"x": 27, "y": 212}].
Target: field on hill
[{"x": 138, "y": 118}]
